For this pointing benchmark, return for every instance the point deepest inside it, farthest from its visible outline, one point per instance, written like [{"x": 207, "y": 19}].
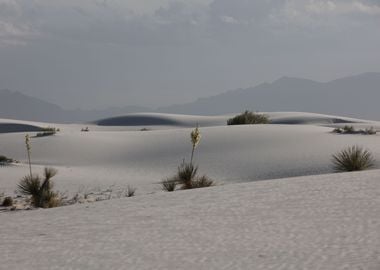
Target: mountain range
[{"x": 355, "y": 96}]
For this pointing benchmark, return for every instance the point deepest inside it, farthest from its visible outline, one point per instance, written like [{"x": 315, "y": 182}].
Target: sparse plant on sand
[
  {"x": 353, "y": 158},
  {"x": 169, "y": 185},
  {"x": 248, "y": 118},
  {"x": 352, "y": 130},
  {"x": 130, "y": 192},
  {"x": 4, "y": 161},
  {"x": 7, "y": 202},
  {"x": 41, "y": 192},
  {"x": 48, "y": 131},
  {"x": 186, "y": 175}
]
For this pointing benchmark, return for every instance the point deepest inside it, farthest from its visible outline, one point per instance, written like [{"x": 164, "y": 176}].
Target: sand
[{"x": 317, "y": 220}]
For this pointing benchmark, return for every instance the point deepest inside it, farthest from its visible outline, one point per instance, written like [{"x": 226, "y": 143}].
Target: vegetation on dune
[
  {"x": 187, "y": 173},
  {"x": 248, "y": 118},
  {"x": 353, "y": 158},
  {"x": 41, "y": 191},
  {"x": 7, "y": 202},
  {"x": 5, "y": 160},
  {"x": 352, "y": 130}
]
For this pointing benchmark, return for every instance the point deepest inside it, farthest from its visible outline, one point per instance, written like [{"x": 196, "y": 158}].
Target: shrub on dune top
[
  {"x": 353, "y": 158},
  {"x": 248, "y": 118}
]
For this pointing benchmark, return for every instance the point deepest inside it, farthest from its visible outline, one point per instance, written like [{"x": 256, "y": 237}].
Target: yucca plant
[
  {"x": 353, "y": 158},
  {"x": 41, "y": 192}
]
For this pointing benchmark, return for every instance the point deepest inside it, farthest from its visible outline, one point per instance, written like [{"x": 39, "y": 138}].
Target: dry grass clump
[
  {"x": 41, "y": 192},
  {"x": 353, "y": 158},
  {"x": 248, "y": 118}
]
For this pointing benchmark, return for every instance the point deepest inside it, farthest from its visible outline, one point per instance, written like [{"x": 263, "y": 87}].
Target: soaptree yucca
[
  {"x": 353, "y": 158},
  {"x": 39, "y": 189}
]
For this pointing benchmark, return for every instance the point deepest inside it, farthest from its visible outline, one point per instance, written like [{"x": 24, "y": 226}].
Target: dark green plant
[
  {"x": 353, "y": 158},
  {"x": 40, "y": 191},
  {"x": 348, "y": 129},
  {"x": 248, "y": 118},
  {"x": 202, "y": 181},
  {"x": 8, "y": 201}
]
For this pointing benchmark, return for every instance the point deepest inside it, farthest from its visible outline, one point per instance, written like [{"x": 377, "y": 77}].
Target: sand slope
[
  {"x": 104, "y": 157},
  {"x": 328, "y": 222}
]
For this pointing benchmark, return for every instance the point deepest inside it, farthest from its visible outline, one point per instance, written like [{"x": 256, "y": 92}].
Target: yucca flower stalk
[
  {"x": 28, "y": 150},
  {"x": 195, "y": 139}
]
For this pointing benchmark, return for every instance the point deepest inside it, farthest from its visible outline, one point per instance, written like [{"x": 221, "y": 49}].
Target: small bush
[
  {"x": 130, "y": 191},
  {"x": 187, "y": 177},
  {"x": 169, "y": 185},
  {"x": 8, "y": 201},
  {"x": 248, "y": 118},
  {"x": 203, "y": 181},
  {"x": 353, "y": 158},
  {"x": 48, "y": 131},
  {"x": 348, "y": 129},
  {"x": 40, "y": 191},
  {"x": 5, "y": 161},
  {"x": 352, "y": 130}
]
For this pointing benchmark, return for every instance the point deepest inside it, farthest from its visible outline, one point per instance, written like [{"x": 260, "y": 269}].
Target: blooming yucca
[
  {"x": 195, "y": 139},
  {"x": 28, "y": 148}
]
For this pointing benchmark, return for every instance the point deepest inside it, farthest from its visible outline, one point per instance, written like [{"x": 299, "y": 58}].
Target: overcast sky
[{"x": 100, "y": 53}]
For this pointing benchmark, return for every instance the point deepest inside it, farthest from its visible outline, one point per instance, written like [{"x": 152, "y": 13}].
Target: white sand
[{"x": 319, "y": 222}]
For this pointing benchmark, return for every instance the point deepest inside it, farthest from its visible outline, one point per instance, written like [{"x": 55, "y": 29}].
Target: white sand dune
[
  {"x": 101, "y": 158},
  {"x": 327, "y": 222},
  {"x": 310, "y": 222}
]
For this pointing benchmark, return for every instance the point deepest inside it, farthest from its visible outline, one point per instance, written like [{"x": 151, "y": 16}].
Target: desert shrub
[
  {"x": 40, "y": 191},
  {"x": 348, "y": 129},
  {"x": 5, "y": 160},
  {"x": 169, "y": 185},
  {"x": 86, "y": 129},
  {"x": 130, "y": 191},
  {"x": 248, "y": 118},
  {"x": 48, "y": 131},
  {"x": 8, "y": 201},
  {"x": 352, "y": 130},
  {"x": 202, "y": 181},
  {"x": 353, "y": 158},
  {"x": 187, "y": 178}
]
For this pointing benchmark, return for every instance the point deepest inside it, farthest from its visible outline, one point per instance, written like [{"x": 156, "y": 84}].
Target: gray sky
[{"x": 100, "y": 53}]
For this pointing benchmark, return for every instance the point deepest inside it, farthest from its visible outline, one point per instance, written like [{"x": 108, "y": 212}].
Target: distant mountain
[
  {"x": 15, "y": 105},
  {"x": 355, "y": 96}
]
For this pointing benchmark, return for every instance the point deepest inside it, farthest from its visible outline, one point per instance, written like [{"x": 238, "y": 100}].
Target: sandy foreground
[{"x": 325, "y": 221}]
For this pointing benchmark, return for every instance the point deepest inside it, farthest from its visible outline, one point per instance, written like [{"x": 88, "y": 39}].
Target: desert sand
[{"x": 301, "y": 217}]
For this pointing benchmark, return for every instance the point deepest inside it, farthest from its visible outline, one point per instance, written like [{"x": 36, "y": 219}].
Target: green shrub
[
  {"x": 8, "y": 201},
  {"x": 353, "y": 158},
  {"x": 248, "y": 118},
  {"x": 40, "y": 191}
]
